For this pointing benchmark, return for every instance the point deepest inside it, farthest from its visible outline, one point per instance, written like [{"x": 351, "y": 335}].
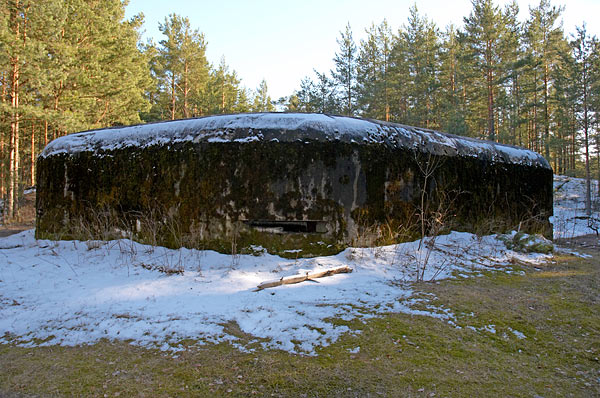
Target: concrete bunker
[{"x": 305, "y": 184}]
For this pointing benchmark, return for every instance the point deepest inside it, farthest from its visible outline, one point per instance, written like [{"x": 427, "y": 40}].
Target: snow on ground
[
  {"x": 72, "y": 292},
  {"x": 569, "y": 218}
]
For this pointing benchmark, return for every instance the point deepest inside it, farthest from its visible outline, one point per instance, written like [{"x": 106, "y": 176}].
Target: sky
[{"x": 283, "y": 41}]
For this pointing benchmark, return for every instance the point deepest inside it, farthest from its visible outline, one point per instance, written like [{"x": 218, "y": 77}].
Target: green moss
[
  {"x": 190, "y": 189},
  {"x": 527, "y": 243}
]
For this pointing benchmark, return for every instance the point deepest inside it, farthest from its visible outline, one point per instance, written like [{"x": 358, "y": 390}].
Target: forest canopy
[{"x": 72, "y": 65}]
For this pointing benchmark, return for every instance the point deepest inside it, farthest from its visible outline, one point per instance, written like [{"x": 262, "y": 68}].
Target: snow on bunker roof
[{"x": 290, "y": 127}]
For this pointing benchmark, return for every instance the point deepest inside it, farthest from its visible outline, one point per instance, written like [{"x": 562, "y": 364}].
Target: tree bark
[
  {"x": 598, "y": 157},
  {"x": 573, "y": 137},
  {"x": 535, "y": 135},
  {"x": 3, "y": 82},
  {"x": 32, "y": 170},
  {"x": 13, "y": 166},
  {"x": 2, "y": 168},
  {"x": 185, "y": 89},
  {"x": 173, "y": 96},
  {"x": 586, "y": 143},
  {"x": 223, "y": 95},
  {"x": 546, "y": 113},
  {"x": 490, "y": 92}
]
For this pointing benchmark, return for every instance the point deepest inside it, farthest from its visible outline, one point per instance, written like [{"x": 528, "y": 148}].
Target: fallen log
[{"x": 288, "y": 280}]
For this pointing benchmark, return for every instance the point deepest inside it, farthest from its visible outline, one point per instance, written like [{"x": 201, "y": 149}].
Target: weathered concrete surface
[{"x": 285, "y": 181}]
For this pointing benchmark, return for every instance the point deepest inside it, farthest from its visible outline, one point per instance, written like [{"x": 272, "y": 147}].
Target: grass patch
[{"x": 556, "y": 307}]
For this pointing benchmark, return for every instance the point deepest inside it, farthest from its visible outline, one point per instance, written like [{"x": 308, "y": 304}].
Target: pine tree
[
  {"x": 373, "y": 72},
  {"x": 14, "y": 38},
  {"x": 68, "y": 65},
  {"x": 182, "y": 68},
  {"x": 24, "y": 34},
  {"x": 155, "y": 92},
  {"x": 105, "y": 74},
  {"x": 170, "y": 56},
  {"x": 583, "y": 53},
  {"x": 499, "y": 79},
  {"x": 326, "y": 98},
  {"x": 510, "y": 80},
  {"x": 306, "y": 96},
  {"x": 225, "y": 90},
  {"x": 564, "y": 117},
  {"x": 242, "y": 103},
  {"x": 399, "y": 79},
  {"x": 543, "y": 36},
  {"x": 421, "y": 52},
  {"x": 344, "y": 75},
  {"x": 452, "y": 84},
  {"x": 368, "y": 75},
  {"x": 262, "y": 101},
  {"x": 320, "y": 96},
  {"x": 484, "y": 29},
  {"x": 289, "y": 104},
  {"x": 595, "y": 100}
]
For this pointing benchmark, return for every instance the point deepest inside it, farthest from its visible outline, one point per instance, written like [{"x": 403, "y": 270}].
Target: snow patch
[
  {"x": 518, "y": 334},
  {"x": 570, "y": 219},
  {"x": 72, "y": 292}
]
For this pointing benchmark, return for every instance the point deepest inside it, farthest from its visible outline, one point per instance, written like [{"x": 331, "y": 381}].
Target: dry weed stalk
[
  {"x": 158, "y": 227},
  {"x": 431, "y": 221},
  {"x": 235, "y": 233}
]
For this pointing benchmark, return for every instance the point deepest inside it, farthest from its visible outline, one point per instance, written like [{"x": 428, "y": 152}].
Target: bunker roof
[{"x": 290, "y": 127}]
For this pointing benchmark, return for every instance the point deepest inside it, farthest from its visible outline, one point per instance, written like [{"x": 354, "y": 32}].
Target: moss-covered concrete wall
[{"x": 230, "y": 196}]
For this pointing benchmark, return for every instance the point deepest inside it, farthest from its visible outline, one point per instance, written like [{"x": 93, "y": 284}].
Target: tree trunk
[
  {"x": 517, "y": 114},
  {"x": 32, "y": 170},
  {"x": 3, "y": 82},
  {"x": 529, "y": 135},
  {"x": 588, "y": 198},
  {"x": 598, "y": 158},
  {"x": 385, "y": 91},
  {"x": 573, "y": 136},
  {"x": 173, "y": 96},
  {"x": 223, "y": 96},
  {"x": 546, "y": 116},
  {"x": 2, "y": 168},
  {"x": 13, "y": 166},
  {"x": 490, "y": 92},
  {"x": 185, "y": 90},
  {"x": 534, "y": 121},
  {"x": 57, "y": 95}
]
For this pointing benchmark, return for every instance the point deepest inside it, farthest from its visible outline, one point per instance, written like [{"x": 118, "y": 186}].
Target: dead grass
[{"x": 556, "y": 307}]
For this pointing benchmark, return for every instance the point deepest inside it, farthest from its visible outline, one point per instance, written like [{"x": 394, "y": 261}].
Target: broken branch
[{"x": 288, "y": 280}]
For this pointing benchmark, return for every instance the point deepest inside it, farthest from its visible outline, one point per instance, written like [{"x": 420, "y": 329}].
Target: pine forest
[{"x": 73, "y": 65}]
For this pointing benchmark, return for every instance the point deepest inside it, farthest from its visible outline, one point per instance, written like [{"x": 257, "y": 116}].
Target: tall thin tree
[
  {"x": 583, "y": 52},
  {"x": 345, "y": 70}
]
